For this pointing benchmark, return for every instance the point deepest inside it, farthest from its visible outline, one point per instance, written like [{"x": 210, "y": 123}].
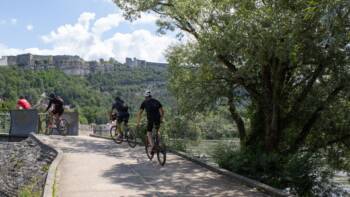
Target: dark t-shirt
[
  {"x": 152, "y": 107},
  {"x": 119, "y": 106},
  {"x": 57, "y": 102}
]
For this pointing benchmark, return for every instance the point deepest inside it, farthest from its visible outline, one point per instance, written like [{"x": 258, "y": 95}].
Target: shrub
[{"x": 303, "y": 173}]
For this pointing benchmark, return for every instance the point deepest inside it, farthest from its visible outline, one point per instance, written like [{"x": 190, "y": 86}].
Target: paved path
[{"x": 93, "y": 167}]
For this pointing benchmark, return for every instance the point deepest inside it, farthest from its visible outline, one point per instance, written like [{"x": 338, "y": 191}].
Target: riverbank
[{"x": 24, "y": 167}]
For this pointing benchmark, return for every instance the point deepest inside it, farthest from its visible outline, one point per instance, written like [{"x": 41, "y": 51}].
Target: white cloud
[
  {"x": 13, "y": 21},
  {"x": 107, "y": 23},
  {"x": 29, "y": 27},
  {"x": 84, "y": 38}
]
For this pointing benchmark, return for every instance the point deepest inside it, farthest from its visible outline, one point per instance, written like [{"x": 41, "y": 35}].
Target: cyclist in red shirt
[{"x": 22, "y": 103}]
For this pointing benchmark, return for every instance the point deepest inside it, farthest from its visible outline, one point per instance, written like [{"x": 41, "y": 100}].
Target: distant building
[
  {"x": 71, "y": 65},
  {"x": 143, "y": 63}
]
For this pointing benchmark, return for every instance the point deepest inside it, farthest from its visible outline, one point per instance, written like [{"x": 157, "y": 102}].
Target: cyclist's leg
[
  {"x": 149, "y": 133},
  {"x": 157, "y": 127},
  {"x": 50, "y": 120},
  {"x": 119, "y": 123},
  {"x": 56, "y": 120},
  {"x": 58, "y": 115},
  {"x": 126, "y": 120}
]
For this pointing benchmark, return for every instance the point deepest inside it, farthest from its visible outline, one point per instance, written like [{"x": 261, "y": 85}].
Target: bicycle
[
  {"x": 126, "y": 135},
  {"x": 159, "y": 148},
  {"x": 61, "y": 126}
]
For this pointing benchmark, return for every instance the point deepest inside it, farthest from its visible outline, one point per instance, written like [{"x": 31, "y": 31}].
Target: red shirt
[{"x": 24, "y": 104}]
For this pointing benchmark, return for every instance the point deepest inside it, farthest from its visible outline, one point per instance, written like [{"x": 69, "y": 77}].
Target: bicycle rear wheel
[
  {"x": 147, "y": 148},
  {"x": 131, "y": 138},
  {"x": 161, "y": 153},
  {"x": 63, "y": 127}
]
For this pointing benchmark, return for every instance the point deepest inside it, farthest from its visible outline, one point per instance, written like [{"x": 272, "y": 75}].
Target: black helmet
[{"x": 52, "y": 95}]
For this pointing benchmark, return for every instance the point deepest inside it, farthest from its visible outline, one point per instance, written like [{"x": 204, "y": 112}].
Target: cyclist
[
  {"x": 57, "y": 110},
  {"x": 155, "y": 114},
  {"x": 22, "y": 103},
  {"x": 120, "y": 113}
]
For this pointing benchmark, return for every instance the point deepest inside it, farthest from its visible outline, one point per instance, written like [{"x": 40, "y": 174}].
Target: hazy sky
[{"x": 92, "y": 29}]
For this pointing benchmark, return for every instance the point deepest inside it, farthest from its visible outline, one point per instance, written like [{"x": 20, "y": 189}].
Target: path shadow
[{"x": 177, "y": 178}]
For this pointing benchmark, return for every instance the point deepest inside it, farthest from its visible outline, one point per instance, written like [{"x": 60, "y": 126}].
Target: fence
[
  {"x": 5, "y": 123},
  {"x": 40, "y": 122},
  {"x": 193, "y": 147}
]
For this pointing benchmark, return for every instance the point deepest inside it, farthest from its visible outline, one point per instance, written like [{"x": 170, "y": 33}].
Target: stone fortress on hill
[{"x": 71, "y": 65}]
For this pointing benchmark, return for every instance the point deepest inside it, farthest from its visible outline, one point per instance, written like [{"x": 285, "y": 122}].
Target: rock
[{"x": 23, "y": 164}]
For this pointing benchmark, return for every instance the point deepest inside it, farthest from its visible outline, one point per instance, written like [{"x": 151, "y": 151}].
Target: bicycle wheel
[
  {"x": 161, "y": 153},
  {"x": 63, "y": 127},
  {"x": 131, "y": 138},
  {"x": 147, "y": 148},
  {"x": 113, "y": 132}
]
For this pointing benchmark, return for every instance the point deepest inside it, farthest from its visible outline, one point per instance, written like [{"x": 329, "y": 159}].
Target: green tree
[{"x": 282, "y": 66}]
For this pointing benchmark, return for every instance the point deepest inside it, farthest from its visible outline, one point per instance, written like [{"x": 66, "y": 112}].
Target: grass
[
  {"x": 29, "y": 190},
  {"x": 54, "y": 186}
]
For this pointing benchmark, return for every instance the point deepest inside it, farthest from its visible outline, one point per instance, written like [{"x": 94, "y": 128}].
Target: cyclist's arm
[
  {"x": 48, "y": 106},
  {"x": 139, "y": 115},
  {"x": 161, "y": 111}
]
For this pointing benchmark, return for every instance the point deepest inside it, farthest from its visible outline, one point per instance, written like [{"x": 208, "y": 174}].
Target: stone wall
[
  {"x": 24, "y": 166},
  {"x": 11, "y": 60},
  {"x": 143, "y": 63},
  {"x": 3, "y": 61},
  {"x": 24, "y": 60},
  {"x": 71, "y": 65}
]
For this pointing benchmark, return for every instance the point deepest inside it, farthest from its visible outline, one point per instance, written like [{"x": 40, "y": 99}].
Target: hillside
[{"x": 91, "y": 95}]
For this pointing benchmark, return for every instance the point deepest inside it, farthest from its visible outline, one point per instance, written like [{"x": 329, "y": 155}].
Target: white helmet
[{"x": 147, "y": 93}]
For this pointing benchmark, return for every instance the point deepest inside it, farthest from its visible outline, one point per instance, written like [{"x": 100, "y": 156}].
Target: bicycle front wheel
[
  {"x": 113, "y": 132},
  {"x": 161, "y": 154},
  {"x": 131, "y": 138}
]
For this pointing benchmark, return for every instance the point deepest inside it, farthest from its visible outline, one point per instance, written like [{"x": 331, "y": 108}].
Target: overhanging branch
[{"x": 314, "y": 117}]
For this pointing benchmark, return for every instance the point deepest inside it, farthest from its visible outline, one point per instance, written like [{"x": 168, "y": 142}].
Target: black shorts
[
  {"x": 58, "y": 111},
  {"x": 123, "y": 117},
  {"x": 153, "y": 123}
]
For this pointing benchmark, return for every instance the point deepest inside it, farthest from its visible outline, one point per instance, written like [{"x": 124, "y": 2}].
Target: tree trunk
[
  {"x": 238, "y": 120},
  {"x": 257, "y": 130}
]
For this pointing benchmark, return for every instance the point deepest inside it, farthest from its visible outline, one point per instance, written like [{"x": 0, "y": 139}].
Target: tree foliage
[
  {"x": 92, "y": 96},
  {"x": 282, "y": 66}
]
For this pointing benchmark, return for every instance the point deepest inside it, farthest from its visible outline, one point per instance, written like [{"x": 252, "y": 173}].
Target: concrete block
[{"x": 23, "y": 122}]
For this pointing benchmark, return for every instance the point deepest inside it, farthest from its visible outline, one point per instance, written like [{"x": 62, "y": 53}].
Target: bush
[{"x": 303, "y": 174}]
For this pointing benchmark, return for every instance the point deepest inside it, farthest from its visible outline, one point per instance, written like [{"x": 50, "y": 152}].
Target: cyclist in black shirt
[
  {"x": 155, "y": 114},
  {"x": 57, "y": 110},
  {"x": 120, "y": 113}
]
